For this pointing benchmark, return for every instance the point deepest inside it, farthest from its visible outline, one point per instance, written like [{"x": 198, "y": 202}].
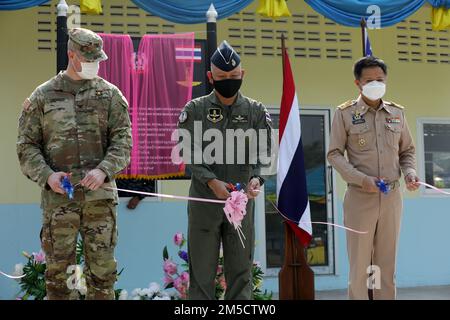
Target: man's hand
[
  {"x": 411, "y": 182},
  {"x": 370, "y": 184},
  {"x": 253, "y": 188},
  {"x": 94, "y": 179},
  {"x": 54, "y": 181},
  {"x": 219, "y": 188}
]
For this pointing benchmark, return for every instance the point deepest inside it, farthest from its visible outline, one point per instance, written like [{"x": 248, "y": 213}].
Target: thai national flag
[
  {"x": 367, "y": 45},
  {"x": 292, "y": 194},
  {"x": 186, "y": 54}
]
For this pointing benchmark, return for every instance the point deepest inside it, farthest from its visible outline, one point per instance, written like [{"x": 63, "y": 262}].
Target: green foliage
[
  {"x": 220, "y": 281},
  {"x": 32, "y": 285},
  {"x": 257, "y": 284}
]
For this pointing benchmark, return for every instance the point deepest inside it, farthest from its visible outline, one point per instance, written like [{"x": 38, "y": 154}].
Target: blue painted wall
[{"x": 423, "y": 257}]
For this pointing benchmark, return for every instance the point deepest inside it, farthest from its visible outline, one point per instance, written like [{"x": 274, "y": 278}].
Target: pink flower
[
  {"x": 178, "y": 283},
  {"x": 181, "y": 287},
  {"x": 185, "y": 277},
  {"x": 183, "y": 292},
  {"x": 178, "y": 239},
  {"x": 223, "y": 283},
  {"x": 39, "y": 257},
  {"x": 170, "y": 267},
  {"x": 219, "y": 269},
  {"x": 167, "y": 280}
]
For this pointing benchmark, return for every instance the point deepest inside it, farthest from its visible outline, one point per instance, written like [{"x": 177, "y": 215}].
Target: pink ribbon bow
[{"x": 235, "y": 211}]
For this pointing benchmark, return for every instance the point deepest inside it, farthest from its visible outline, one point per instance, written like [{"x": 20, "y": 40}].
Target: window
[
  {"x": 315, "y": 132},
  {"x": 434, "y": 153}
]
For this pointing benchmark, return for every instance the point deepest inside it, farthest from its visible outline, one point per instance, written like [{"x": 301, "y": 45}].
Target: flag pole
[
  {"x": 211, "y": 39},
  {"x": 296, "y": 278},
  {"x": 363, "y": 34},
  {"x": 61, "y": 36}
]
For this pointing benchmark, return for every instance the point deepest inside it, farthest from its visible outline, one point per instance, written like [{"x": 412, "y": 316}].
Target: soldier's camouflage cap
[{"x": 88, "y": 43}]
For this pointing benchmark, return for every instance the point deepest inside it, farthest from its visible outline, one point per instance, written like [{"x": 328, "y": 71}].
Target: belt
[{"x": 391, "y": 185}]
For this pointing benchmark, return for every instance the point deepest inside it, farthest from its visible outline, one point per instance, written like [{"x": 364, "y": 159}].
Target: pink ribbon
[
  {"x": 161, "y": 195},
  {"x": 235, "y": 206},
  {"x": 433, "y": 187},
  {"x": 235, "y": 211},
  {"x": 325, "y": 223},
  {"x": 11, "y": 277},
  {"x": 232, "y": 205}
]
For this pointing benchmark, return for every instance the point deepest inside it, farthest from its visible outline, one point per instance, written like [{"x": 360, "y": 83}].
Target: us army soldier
[{"x": 77, "y": 125}]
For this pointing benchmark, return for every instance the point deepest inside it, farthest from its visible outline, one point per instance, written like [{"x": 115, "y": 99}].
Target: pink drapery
[{"x": 157, "y": 82}]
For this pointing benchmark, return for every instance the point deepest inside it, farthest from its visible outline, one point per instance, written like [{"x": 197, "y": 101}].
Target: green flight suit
[{"x": 208, "y": 227}]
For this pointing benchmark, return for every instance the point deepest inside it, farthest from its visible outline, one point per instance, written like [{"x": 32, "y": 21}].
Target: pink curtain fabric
[
  {"x": 120, "y": 64},
  {"x": 157, "y": 82},
  {"x": 119, "y": 70},
  {"x": 164, "y": 87}
]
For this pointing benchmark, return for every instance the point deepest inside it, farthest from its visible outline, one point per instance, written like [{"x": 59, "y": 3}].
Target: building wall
[{"x": 322, "y": 55}]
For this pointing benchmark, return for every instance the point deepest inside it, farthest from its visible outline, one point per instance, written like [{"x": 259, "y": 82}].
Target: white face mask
[
  {"x": 374, "y": 90},
  {"x": 89, "y": 70}
]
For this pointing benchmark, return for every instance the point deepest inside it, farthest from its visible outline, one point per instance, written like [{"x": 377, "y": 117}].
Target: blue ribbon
[
  {"x": 381, "y": 184},
  {"x": 68, "y": 187}
]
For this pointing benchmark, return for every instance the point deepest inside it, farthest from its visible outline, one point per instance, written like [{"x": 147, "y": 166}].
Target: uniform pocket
[
  {"x": 114, "y": 229},
  {"x": 92, "y": 136},
  {"x": 361, "y": 137},
  {"x": 46, "y": 234},
  {"x": 393, "y": 134},
  {"x": 59, "y": 116}
]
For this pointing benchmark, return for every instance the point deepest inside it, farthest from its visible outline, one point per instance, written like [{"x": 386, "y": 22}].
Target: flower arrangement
[
  {"x": 176, "y": 276},
  {"x": 153, "y": 292},
  {"x": 179, "y": 279},
  {"x": 173, "y": 278},
  {"x": 32, "y": 285}
]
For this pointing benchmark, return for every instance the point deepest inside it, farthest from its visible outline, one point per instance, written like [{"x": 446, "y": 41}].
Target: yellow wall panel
[{"x": 322, "y": 54}]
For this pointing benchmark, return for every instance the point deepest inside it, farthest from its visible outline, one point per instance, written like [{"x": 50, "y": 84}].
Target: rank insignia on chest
[
  {"x": 214, "y": 115},
  {"x": 240, "y": 119},
  {"x": 362, "y": 142},
  {"x": 393, "y": 120},
  {"x": 183, "y": 117},
  {"x": 99, "y": 94},
  {"x": 358, "y": 118}
]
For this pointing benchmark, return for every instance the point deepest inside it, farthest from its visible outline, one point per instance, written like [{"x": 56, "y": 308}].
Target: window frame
[{"x": 420, "y": 152}]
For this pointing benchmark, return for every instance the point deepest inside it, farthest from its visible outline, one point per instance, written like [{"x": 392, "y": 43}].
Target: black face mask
[{"x": 228, "y": 87}]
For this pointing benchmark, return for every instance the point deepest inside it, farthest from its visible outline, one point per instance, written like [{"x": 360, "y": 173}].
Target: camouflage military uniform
[
  {"x": 208, "y": 226},
  {"x": 76, "y": 126}
]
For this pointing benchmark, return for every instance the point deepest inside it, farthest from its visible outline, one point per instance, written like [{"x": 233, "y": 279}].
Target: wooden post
[{"x": 296, "y": 278}]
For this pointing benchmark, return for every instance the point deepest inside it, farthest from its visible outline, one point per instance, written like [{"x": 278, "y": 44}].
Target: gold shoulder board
[{"x": 347, "y": 104}]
